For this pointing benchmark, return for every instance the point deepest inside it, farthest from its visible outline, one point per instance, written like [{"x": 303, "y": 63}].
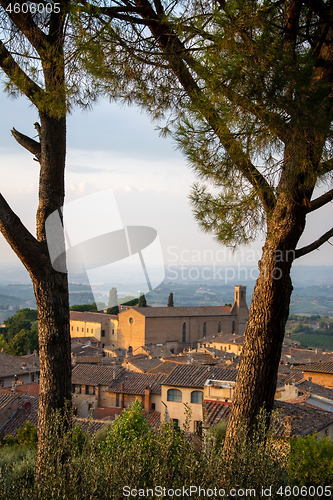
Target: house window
[
  {"x": 153, "y": 406},
  {"x": 117, "y": 400},
  {"x": 92, "y": 330},
  {"x": 103, "y": 345},
  {"x": 174, "y": 395},
  {"x": 112, "y": 332},
  {"x": 196, "y": 396},
  {"x": 184, "y": 333},
  {"x": 73, "y": 388},
  {"x": 82, "y": 330},
  {"x": 233, "y": 327},
  {"x": 90, "y": 389},
  {"x": 103, "y": 333},
  {"x": 204, "y": 330},
  {"x": 77, "y": 389},
  {"x": 32, "y": 377},
  {"x": 219, "y": 327},
  {"x": 229, "y": 347},
  {"x": 130, "y": 349},
  {"x": 131, "y": 321},
  {"x": 176, "y": 421},
  {"x": 72, "y": 328},
  {"x": 2, "y": 383},
  {"x": 77, "y": 328}
]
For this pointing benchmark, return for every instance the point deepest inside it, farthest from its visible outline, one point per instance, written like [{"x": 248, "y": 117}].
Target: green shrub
[{"x": 311, "y": 461}]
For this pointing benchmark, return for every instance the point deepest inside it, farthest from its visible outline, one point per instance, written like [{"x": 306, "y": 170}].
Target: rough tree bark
[{"x": 50, "y": 286}]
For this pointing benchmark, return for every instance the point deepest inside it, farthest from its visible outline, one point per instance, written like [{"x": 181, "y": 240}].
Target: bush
[{"x": 311, "y": 461}]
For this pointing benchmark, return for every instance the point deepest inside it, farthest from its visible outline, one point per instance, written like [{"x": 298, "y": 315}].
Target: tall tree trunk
[
  {"x": 51, "y": 288},
  {"x": 257, "y": 374}
]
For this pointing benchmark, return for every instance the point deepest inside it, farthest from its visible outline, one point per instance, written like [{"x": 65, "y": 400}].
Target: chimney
[
  {"x": 122, "y": 395},
  {"x": 147, "y": 404}
]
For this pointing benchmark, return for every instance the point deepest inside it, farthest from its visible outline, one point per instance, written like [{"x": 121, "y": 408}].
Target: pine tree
[
  {"x": 248, "y": 87},
  {"x": 32, "y": 57},
  {"x": 170, "y": 300},
  {"x": 113, "y": 297},
  {"x": 142, "y": 301}
]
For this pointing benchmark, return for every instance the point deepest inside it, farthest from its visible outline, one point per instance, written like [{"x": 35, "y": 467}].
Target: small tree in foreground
[{"x": 170, "y": 300}]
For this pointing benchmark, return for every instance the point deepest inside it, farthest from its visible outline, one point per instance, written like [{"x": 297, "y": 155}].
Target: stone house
[
  {"x": 90, "y": 385},
  {"x": 129, "y": 386},
  {"x": 320, "y": 373},
  {"x": 18, "y": 369},
  {"x": 185, "y": 386},
  {"x": 227, "y": 342},
  {"x": 90, "y": 324}
]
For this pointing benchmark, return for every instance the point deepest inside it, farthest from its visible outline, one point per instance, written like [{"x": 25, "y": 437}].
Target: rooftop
[
  {"x": 136, "y": 383},
  {"x": 95, "y": 374},
  {"x": 90, "y": 317},
  {"x": 142, "y": 365},
  {"x": 304, "y": 419},
  {"x": 317, "y": 367},
  {"x": 196, "y": 376},
  {"x": 166, "y": 312},
  {"x": 16, "y": 365}
]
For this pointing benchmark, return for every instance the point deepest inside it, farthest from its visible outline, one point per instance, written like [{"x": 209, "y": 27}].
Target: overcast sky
[{"x": 119, "y": 148}]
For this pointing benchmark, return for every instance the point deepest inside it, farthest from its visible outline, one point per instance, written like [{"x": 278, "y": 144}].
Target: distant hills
[{"x": 192, "y": 285}]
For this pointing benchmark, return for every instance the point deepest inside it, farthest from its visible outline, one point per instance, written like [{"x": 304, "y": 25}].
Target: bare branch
[
  {"x": 30, "y": 144},
  {"x": 313, "y": 246},
  {"x": 24, "y": 244},
  {"x": 321, "y": 201}
]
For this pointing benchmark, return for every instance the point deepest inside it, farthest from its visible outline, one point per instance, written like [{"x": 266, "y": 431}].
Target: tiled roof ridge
[
  {"x": 317, "y": 366},
  {"x": 181, "y": 311}
]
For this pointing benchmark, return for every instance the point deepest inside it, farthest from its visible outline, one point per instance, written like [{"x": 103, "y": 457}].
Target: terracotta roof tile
[
  {"x": 16, "y": 365},
  {"x": 95, "y": 374},
  {"x": 196, "y": 376},
  {"x": 157, "y": 312},
  {"x": 90, "y": 317},
  {"x": 303, "y": 418},
  {"x": 165, "y": 367},
  {"x": 27, "y": 410},
  {"x": 6, "y": 399},
  {"x": 144, "y": 365},
  {"x": 317, "y": 367},
  {"x": 136, "y": 383},
  {"x": 227, "y": 338}
]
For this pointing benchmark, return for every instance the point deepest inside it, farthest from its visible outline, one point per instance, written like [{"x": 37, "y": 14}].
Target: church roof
[{"x": 166, "y": 312}]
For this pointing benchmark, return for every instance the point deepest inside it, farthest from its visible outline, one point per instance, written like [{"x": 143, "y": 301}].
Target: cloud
[{"x": 82, "y": 169}]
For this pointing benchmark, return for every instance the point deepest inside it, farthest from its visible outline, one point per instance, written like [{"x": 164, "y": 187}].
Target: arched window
[
  {"x": 174, "y": 395},
  {"x": 219, "y": 327},
  {"x": 130, "y": 349},
  {"x": 184, "y": 333},
  {"x": 204, "y": 329},
  {"x": 233, "y": 327},
  {"x": 196, "y": 396}
]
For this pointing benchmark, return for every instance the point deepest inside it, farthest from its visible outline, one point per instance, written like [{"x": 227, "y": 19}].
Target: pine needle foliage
[{"x": 235, "y": 84}]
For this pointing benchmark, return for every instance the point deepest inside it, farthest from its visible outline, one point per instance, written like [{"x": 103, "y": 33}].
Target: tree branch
[
  {"x": 313, "y": 246},
  {"x": 325, "y": 167},
  {"x": 174, "y": 52},
  {"x": 26, "y": 25},
  {"x": 24, "y": 244},
  {"x": 321, "y": 201},
  {"x": 18, "y": 77},
  {"x": 30, "y": 144}
]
